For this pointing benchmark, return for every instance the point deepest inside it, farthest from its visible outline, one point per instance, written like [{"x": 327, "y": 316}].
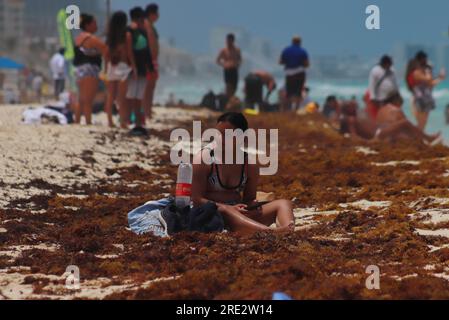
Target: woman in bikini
[
  {"x": 117, "y": 68},
  {"x": 89, "y": 51},
  {"x": 233, "y": 187}
]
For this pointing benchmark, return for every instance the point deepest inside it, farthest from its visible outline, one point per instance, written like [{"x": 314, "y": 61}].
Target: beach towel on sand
[
  {"x": 162, "y": 218},
  {"x": 148, "y": 219},
  {"x": 37, "y": 116}
]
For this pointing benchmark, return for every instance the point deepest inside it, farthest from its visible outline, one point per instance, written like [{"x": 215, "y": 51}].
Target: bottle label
[{"x": 183, "y": 190}]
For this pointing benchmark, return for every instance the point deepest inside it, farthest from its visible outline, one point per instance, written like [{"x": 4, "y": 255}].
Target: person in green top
[{"x": 152, "y": 16}]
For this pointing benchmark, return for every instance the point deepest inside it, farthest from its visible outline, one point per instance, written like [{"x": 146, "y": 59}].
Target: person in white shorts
[{"x": 118, "y": 68}]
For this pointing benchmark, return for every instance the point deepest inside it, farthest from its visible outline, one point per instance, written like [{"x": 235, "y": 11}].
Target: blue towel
[{"x": 147, "y": 218}]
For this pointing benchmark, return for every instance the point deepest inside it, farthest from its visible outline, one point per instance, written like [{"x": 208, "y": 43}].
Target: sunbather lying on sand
[
  {"x": 391, "y": 124},
  {"x": 234, "y": 187}
]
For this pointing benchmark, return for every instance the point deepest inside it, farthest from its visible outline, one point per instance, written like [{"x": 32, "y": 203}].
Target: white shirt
[
  {"x": 380, "y": 91},
  {"x": 57, "y": 66}
]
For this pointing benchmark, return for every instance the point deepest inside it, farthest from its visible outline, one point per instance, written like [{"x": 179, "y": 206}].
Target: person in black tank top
[{"x": 89, "y": 51}]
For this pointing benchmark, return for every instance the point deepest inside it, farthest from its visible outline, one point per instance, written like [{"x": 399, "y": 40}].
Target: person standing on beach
[
  {"x": 89, "y": 51},
  {"x": 137, "y": 44},
  {"x": 230, "y": 59},
  {"x": 421, "y": 82},
  {"x": 382, "y": 85},
  {"x": 117, "y": 68},
  {"x": 295, "y": 61},
  {"x": 152, "y": 16},
  {"x": 57, "y": 67}
]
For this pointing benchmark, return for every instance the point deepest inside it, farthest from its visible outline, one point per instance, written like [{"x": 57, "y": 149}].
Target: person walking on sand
[
  {"x": 117, "y": 68},
  {"x": 230, "y": 59},
  {"x": 152, "y": 16},
  {"x": 57, "y": 67},
  {"x": 421, "y": 82},
  {"x": 89, "y": 51},
  {"x": 295, "y": 61},
  {"x": 137, "y": 43}
]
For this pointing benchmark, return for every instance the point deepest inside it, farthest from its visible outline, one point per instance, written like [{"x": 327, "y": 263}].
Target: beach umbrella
[{"x": 6, "y": 63}]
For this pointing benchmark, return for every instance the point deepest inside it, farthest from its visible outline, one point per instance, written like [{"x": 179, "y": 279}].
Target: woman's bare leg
[
  {"x": 148, "y": 99},
  {"x": 422, "y": 118},
  {"x": 280, "y": 211},
  {"x": 240, "y": 223},
  {"x": 123, "y": 104},
  {"x": 112, "y": 87},
  {"x": 405, "y": 127},
  {"x": 88, "y": 87}
]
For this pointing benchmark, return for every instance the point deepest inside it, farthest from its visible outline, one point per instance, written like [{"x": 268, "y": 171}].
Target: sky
[{"x": 326, "y": 26}]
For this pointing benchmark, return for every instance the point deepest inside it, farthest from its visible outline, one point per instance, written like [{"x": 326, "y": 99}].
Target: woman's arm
[
  {"x": 250, "y": 192},
  {"x": 98, "y": 44},
  {"x": 130, "y": 53},
  {"x": 199, "y": 184}
]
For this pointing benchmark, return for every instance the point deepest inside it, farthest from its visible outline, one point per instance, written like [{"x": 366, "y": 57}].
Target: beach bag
[
  {"x": 162, "y": 218},
  {"x": 205, "y": 218}
]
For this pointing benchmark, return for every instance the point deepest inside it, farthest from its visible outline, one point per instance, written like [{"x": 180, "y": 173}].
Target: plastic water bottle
[{"x": 184, "y": 185}]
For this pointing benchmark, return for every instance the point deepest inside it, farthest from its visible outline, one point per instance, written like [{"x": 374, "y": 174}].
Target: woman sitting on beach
[
  {"x": 88, "y": 59},
  {"x": 118, "y": 68},
  {"x": 233, "y": 187},
  {"x": 391, "y": 124}
]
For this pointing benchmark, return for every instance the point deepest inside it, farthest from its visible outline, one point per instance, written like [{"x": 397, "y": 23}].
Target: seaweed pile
[{"x": 369, "y": 204}]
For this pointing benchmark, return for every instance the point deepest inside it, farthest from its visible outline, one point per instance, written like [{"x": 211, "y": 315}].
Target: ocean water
[{"x": 192, "y": 90}]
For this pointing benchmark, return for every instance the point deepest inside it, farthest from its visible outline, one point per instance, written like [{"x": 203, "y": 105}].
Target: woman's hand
[{"x": 242, "y": 208}]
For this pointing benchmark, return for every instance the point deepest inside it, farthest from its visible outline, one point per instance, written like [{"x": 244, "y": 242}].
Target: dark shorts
[
  {"x": 231, "y": 77},
  {"x": 295, "y": 84},
  {"x": 59, "y": 87},
  {"x": 253, "y": 89}
]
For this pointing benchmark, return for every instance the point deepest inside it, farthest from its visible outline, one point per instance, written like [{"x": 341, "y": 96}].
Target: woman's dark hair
[
  {"x": 117, "y": 30},
  {"x": 237, "y": 119},
  {"x": 152, "y": 9},
  {"x": 421, "y": 55},
  {"x": 386, "y": 60},
  {"x": 86, "y": 19},
  {"x": 137, "y": 13}
]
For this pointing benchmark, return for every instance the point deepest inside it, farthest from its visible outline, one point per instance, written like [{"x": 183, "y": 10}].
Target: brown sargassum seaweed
[{"x": 317, "y": 167}]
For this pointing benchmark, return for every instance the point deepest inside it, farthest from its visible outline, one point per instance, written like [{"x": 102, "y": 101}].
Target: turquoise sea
[{"x": 192, "y": 90}]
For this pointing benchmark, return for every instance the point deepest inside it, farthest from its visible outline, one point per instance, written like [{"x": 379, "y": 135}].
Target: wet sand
[{"x": 65, "y": 193}]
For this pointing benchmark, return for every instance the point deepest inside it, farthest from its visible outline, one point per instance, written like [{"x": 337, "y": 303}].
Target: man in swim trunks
[
  {"x": 152, "y": 16},
  {"x": 230, "y": 59},
  {"x": 295, "y": 61},
  {"x": 254, "y": 84}
]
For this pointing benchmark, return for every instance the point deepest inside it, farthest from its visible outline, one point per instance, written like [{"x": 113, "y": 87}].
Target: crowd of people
[
  {"x": 127, "y": 62},
  {"x": 371, "y": 122}
]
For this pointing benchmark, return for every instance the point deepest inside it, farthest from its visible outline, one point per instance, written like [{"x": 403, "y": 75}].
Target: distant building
[
  {"x": 12, "y": 29},
  {"x": 41, "y": 15}
]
